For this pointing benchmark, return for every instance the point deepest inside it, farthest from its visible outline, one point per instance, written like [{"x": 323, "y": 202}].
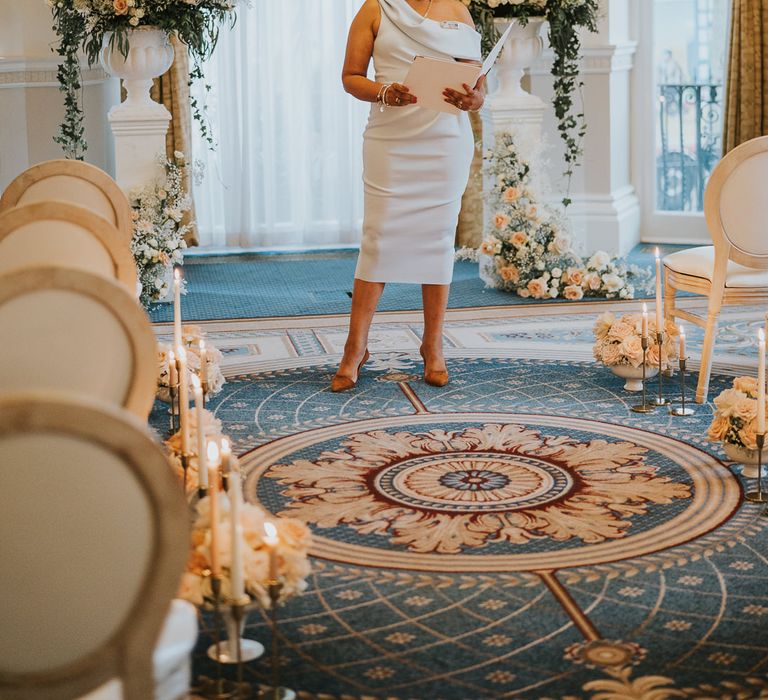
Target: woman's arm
[{"x": 362, "y": 35}]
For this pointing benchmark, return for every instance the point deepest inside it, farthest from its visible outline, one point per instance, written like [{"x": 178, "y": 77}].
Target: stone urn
[
  {"x": 150, "y": 54},
  {"x": 633, "y": 376},
  {"x": 521, "y": 50}
]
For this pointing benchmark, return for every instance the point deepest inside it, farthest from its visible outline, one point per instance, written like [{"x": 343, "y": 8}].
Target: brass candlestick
[
  {"x": 660, "y": 400},
  {"x": 184, "y": 457},
  {"x": 204, "y": 386},
  {"x": 276, "y": 691},
  {"x": 759, "y": 496},
  {"x": 682, "y": 411},
  {"x": 173, "y": 393},
  {"x": 644, "y": 406}
]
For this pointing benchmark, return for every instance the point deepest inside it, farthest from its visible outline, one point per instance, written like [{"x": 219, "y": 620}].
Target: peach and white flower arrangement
[
  {"x": 527, "y": 248},
  {"x": 735, "y": 418},
  {"x": 213, "y": 432},
  {"x": 618, "y": 341},
  {"x": 159, "y": 227},
  {"x": 191, "y": 337},
  {"x": 287, "y": 558}
]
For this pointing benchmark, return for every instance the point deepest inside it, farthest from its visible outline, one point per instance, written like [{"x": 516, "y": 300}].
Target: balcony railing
[{"x": 688, "y": 142}]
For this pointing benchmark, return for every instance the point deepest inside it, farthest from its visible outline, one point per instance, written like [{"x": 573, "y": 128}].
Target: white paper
[{"x": 491, "y": 60}]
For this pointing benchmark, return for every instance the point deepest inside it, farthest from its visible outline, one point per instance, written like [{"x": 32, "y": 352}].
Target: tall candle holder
[
  {"x": 173, "y": 394},
  {"x": 660, "y": 400},
  {"x": 275, "y": 691},
  {"x": 219, "y": 688},
  {"x": 759, "y": 496},
  {"x": 683, "y": 410},
  {"x": 204, "y": 385},
  {"x": 644, "y": 406},
  {"x": 184, "y": 457}
]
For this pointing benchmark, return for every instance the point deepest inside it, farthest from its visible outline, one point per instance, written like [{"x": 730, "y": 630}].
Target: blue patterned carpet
[
  {"x": 258, "y": 286},
  {"x": 519, "y": 533}
]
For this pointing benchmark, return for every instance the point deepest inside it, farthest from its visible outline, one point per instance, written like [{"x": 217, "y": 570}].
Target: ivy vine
[{"x": 565, "y": 18}]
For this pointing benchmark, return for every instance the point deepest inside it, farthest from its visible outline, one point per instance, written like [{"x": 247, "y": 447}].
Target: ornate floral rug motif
[{"x": 518, "y": 534}]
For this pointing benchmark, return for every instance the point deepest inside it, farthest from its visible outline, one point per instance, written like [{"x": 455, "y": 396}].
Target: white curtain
[{"x": 287, "y": 167}]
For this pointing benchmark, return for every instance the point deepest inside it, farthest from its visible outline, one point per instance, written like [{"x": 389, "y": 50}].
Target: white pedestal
[{"x": 139, "y": 140}]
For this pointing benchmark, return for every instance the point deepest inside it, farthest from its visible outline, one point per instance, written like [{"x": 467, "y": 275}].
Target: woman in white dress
[{"x": 416, "y": 167}]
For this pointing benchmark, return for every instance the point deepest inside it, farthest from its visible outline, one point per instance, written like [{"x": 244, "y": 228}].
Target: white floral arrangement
[
  {"x": 213, "y": 432},
  {"x": 618, "y": 341},
  {"x": 291, "y": 552},
  {"x": 735, "y": 418},
  {"x": 158, "y": 232},
  {"x": 190, "y": 338},
  {"x": 527, "y": 248}
]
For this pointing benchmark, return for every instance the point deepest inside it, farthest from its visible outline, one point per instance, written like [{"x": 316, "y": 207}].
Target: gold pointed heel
[
  {"x": 438, "y": 377},
  {"x": 341, "y": 382}
]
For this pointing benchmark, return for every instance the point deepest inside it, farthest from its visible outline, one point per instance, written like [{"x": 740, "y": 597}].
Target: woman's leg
[
  {"x": 365, "y": 298},
  {"x": 435, "y": 297}
]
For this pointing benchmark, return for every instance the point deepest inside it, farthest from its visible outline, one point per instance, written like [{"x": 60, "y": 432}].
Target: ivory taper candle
[
  {"x": 176, "y": 307},
  {"x": 682, "y": 342},
  {"x": 212, "y": 454},
  {"x": 761, "y": 382},
  {"x": 237, "y": 573},
  {"x": 659, "y": 296},
  {"x": 645, "y": 320},
  {"x": 181, "y": 356},
  {"x": 202, "y": 453},
  {"x": 271, "y": 541}
]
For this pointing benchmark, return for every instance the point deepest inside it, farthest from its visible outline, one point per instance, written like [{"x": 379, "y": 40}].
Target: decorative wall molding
[
  {"x": 596, "y": 60},
  {"x": 41, "y": 73}
]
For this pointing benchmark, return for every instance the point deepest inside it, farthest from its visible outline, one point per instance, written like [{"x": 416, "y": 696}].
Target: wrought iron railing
[{"x": 689, "y": 143}]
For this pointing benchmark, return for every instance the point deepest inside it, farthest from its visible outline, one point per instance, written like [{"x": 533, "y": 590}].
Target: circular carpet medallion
[{"x": 491, "y": 492}]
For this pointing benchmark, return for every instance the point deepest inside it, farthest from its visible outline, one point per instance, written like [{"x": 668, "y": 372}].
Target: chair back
[
  {"x": 95, "y": 538},
  {"x": 736, "y": 206},
  {"x": 71, "y": 331},
  {"x": 60, "y": 233},
  {"x": 71, "y": 181}
]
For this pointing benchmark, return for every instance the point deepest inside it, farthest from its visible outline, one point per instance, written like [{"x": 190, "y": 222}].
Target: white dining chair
[
  {"x": 64, "y": 234},
  {"x": 70, "y": 331},
  {"x": 734, "y": 270},
  {"x": 71, "y": 181},
  {"x": 95, "y": 540}
]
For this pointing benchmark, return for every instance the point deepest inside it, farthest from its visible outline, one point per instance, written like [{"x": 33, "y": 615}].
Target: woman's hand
[
  {"x": 471, "y": 100},
  {"x": 399, "y": 96}
]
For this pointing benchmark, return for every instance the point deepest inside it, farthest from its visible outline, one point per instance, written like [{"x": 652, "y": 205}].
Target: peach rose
[
  {"x": 511, "y": 194},
  {"x": 575, "y": 275},
  {"x": 612, "y": 354},
  {"x": 501, "y": 221},
  {"x": 632, "y": 349},
  {"x": 746, "y": 409},
  {"x": 519, "y": 239},
  {"x": 603, "y": 324},
  {"x": 727, "y": 400},
  {"x": 120, "y": 6},
  {"x": 748, "y": 434},
  {"x": 620, "y": 330},
  {"x": 718, "y": 429},
  {"x": 489, "y": 246},
  {"x": 746, "y": 384},
  {"x": 510, "y": 274},
  {"x": 592, "y": 281},
  {"x": 538, "y": 288},
  {"x": 573, "y": 292}
]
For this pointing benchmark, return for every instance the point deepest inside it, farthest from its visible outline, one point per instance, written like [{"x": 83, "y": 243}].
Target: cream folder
[{"x": 428, "y": 77}]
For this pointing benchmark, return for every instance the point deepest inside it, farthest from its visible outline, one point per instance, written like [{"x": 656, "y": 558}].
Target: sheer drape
[{"x": 287, "y": 168}]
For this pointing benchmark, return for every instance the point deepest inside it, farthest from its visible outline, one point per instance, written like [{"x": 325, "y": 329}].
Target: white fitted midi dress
[{"x": 416, "y": 161}]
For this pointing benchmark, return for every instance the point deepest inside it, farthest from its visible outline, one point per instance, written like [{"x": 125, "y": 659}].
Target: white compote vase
[
  {"x": 633, "y": 376},
  {"x": 150, "y": 54},
  {"x": 521, "y": 50},
  {"x": 745, "y": 457}
]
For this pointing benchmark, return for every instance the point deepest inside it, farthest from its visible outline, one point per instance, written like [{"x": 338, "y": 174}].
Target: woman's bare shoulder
[
  {"x": 462, "y": 13},
  {"x": 369, "y": 15}
]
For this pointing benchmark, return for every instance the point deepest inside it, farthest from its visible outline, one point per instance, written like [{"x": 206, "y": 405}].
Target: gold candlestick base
[
  {"x": 683, "y": 410},
  {"x": 644, "y": 406},
  {"x": 759, "y": 496}
]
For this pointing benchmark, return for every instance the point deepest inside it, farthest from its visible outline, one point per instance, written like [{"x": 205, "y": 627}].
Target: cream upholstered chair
[
  {"x": 67, "y": 330},
  {"x": 71, "y": 181},
  {"x": 60, "y": 233},
  {"x": 735, "y": 269},
  {"x": 95, "y": 539}
]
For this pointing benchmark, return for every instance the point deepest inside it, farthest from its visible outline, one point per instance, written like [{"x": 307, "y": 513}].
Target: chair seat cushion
[{"x": 700, "y": 262}]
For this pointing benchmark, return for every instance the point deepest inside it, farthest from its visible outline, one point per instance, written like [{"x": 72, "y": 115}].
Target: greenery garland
[
  {"x": 565, "y": 17},
  {"x": 83, "y": 24}
]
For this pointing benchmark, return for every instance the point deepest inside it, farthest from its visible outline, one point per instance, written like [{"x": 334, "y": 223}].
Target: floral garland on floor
[
  {"x": 158, "y": 229},
  {"x": 527, "y": 249}
]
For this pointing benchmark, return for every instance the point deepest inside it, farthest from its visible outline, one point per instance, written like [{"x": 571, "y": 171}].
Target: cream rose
[
  {"x": 632, "y": 349},
  {"x": 511, "y": 194},
  {"x": 573, "y": 292},
  {"x": 501, "y": 221},
  {"x": 538, "y": 288}
]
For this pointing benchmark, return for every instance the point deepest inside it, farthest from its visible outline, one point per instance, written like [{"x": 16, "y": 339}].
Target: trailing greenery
[
  {"x": 70, "y": 26},
  {"x": 565, "y": 18},
  {"x": 84, "y": 24}
]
